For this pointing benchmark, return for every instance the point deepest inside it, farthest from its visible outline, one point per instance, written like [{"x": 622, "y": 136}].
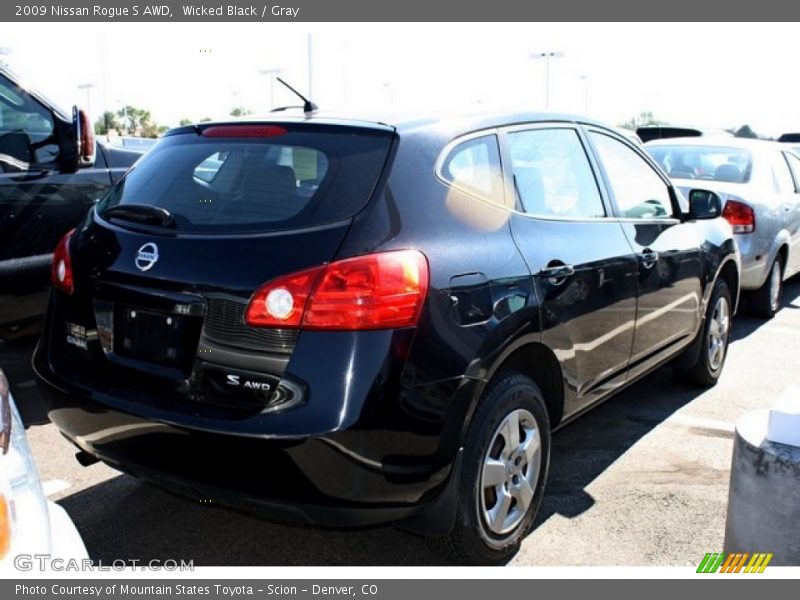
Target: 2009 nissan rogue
[{"x": 347, "y": 322}]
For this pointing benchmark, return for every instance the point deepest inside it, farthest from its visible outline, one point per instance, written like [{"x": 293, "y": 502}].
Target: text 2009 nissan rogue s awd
[{"x": 345, "y": 322}]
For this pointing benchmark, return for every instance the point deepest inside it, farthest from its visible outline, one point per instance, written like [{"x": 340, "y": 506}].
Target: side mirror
[
  {"x": 704, "y": 205},
  {"x": 84, "y": 135}
]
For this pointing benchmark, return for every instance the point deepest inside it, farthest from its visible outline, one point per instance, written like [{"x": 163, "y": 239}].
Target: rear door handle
[
  {"x": 557, "y": 272},
  {"x": 648, "y": 258}
]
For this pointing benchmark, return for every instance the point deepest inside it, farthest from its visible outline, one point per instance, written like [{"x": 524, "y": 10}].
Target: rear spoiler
[{"x": 651, "y": 132}]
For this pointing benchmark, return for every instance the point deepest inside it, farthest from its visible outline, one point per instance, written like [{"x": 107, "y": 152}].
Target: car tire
[
  {"x": 715, "y": 335},
  {"x": 766, "y": 300},
  {"x": 502, "y": 477}
]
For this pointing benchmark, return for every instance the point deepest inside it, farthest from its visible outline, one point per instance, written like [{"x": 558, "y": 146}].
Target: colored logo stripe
[{"x": 735, "y": 562}]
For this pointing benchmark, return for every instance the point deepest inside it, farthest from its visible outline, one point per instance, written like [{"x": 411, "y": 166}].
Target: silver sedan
[{"x": 759, "y": 183}]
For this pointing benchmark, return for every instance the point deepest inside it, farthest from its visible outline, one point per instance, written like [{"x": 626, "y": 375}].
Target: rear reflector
[
  {"x": 384, "y": 290},
  {"x": 61, "y": 269},
  {"x": 252, "y": 131},
  {"x": 741, "y": 216}
]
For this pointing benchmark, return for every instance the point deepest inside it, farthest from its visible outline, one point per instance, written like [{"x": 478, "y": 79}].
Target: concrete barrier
[{"x": 764, "y": 496}]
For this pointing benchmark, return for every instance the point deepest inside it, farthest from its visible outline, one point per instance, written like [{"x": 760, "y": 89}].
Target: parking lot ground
[{"x": 640, "y": 480}]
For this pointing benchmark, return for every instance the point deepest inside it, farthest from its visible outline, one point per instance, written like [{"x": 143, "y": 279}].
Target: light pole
[
  {"x": 87, "y": 87},
  {"x": 546, "y": 56},
  {"x": 585, "y": 79},
  {"x": 271, "y": 73}
]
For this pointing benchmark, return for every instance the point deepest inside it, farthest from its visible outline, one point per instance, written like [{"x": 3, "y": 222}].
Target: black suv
[
  {"x": 346, "y": 322},
  {"x": 51, "y": 172}
]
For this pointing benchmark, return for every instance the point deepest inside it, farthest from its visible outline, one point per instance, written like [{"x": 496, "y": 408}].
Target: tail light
[
  {"x": 61, "y": 270},
  {"x": 741, "y": 216},
  {"x": 384, "y": 290}
]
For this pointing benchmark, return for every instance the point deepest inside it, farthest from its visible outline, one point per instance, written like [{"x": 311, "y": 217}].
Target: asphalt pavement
[{"x": 640, "y": 480}]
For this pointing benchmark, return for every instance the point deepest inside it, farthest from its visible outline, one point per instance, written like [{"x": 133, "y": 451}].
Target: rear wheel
[
  {"x": 507, "y": 453},
  {"x": 715, "y": 334},
  {"x": 766, "y": 300}
]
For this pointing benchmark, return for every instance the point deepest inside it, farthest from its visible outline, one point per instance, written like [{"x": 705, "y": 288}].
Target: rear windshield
[
  {"x": 710, "y": 163},
  {"x": 221, "y": 185}
]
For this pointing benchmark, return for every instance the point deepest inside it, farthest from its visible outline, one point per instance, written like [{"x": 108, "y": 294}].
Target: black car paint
[
  {"x": 382, "y": 413},
  {"x": 39, "y": 203}
]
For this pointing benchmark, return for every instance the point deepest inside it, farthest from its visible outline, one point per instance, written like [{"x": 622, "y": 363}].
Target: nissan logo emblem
[{"x": 146, "y": 256}]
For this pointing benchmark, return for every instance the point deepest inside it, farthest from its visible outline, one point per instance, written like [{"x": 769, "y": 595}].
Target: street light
[
  {"x": 546, "y": 56},
  {"x": 585, "y": 79},
  {"x": 87, "y": 87},
  {"x": 271, "y": 73}
]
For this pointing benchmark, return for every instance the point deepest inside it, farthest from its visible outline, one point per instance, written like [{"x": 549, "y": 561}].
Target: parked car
[
  {"x": 759, "y": 182},
  {"x": 648, "y": 133},
  {"x": 792, "y": 141},
  {"x": 51, "y": 173},
  {"x": 29, "y": 523},
  {"x": 352, "y": 322}
]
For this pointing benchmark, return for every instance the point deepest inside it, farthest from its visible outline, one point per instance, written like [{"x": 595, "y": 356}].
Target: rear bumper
[{"x": 379, "y": 466}]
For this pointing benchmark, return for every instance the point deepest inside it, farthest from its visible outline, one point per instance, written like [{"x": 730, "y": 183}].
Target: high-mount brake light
[{"x": 247, "y": 131}]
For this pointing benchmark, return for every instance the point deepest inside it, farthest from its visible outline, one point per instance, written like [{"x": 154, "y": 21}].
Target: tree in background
[
  {"x": 184, "y": 122},
  {"x": 107, "y": 122},
  {"x": 643, "y": 119},
  {"x": 132, "y": 119},
  {"x": 241, "y": 112},
  {"x": 745, "y": 132}
]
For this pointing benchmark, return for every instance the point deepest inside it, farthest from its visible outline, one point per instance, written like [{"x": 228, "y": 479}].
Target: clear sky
[{"x": 710, "y": 75}]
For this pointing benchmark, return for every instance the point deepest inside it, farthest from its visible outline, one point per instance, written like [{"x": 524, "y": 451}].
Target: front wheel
[
  {"x": 506, "y": 457},
  {"x": 715, "y": 334},
  {"x": 766, "y": 300}
]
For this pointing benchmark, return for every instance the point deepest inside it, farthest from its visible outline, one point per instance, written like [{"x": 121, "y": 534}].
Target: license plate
[{"x": 149, "y": 335}]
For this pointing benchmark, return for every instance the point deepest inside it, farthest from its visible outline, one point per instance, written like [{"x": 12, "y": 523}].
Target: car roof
[
  {"x": 717, "y": 142},
  {"x": 449, "y": 124}
]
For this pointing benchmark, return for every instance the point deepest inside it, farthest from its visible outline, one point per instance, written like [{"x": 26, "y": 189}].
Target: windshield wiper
[{"x": 140, "y": 213}]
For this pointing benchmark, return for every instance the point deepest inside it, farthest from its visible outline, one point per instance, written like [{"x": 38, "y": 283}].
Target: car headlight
[{"x": 24, "y": 517}]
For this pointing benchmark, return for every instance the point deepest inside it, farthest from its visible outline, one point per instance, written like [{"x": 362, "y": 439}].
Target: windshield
[
  {"x": 293, "y": 180},
  {"x": 710, "y": 163}
]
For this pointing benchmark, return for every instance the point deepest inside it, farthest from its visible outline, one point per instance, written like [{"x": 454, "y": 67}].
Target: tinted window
[
  {"x": 552, "y": 174},
  {"x": 298, "y": 179},
  {"x": 710, "y": 163},
  {"x": 781, "y": 177},
  {"x": 26, "y": 129},
  {"x": 475, "y": 166},
  {"x": 639, "y": 191}
]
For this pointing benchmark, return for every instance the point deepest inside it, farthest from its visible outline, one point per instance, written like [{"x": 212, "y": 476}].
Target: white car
[
  {"x": 759, "y": 183},
  {"x": 29, "y": 523}
]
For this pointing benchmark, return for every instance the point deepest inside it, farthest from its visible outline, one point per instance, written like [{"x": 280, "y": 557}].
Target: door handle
[
  {"x": 557, "y": 272},
  {"x": 648, "y": 258}
]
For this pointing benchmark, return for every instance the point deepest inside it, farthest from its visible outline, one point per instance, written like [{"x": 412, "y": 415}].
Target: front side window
[
  {"x": 474, "y": 165},
  {"x": 639, "y": 191},
  {"x": 26, "y": 129},
  {"x": 552, "y": 174}
]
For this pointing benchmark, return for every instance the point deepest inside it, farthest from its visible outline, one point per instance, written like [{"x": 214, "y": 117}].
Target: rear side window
[
  {"x": 475, "y": 166},
  {"x": 781, "y": 176},
  {"x": 294, "y": 180},
  {"x": 794, "y": 165},
  {"x": 639, "y": 191},
  {"x": 552, "y": 174}
]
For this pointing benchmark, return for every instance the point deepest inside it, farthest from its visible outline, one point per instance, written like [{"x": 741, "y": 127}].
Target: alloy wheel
[
  {"x": 718, "y": 333},
  {"x": 510, "y": 473}
]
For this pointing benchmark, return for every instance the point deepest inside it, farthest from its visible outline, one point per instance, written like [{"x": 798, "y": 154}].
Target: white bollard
[{"x": 764, "y": 496}]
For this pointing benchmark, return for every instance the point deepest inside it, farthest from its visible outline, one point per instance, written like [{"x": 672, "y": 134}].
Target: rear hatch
[{"x": 166, "y": 264}]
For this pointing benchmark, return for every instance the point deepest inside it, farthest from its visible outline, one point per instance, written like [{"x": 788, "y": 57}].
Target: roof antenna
[{"x": 308, "y": 106}]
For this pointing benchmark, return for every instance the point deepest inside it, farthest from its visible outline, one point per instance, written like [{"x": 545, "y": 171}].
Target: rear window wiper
[{"x": 140, "y": 213}]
